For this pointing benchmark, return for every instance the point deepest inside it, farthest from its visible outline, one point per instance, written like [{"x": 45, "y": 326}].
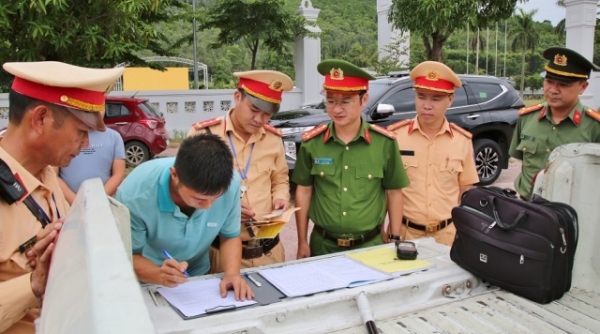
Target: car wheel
[
  {"x": 136, "y": 153},
  {"x": 488, "y": 160}
]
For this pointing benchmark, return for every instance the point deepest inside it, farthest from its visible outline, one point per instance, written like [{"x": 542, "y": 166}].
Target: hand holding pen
[{"x": 172, "y": 272}]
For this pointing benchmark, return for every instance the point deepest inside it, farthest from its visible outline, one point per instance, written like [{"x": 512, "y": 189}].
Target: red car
[{"x": 141, "y": 126}]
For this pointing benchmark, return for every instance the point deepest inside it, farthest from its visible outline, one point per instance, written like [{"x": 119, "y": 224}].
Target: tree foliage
[
  {"x": 524, "y": 38},
  {"x": 255, "y": 23},
  {"x": 435, "y": 20},
  {"x": 85, "y": 32}
]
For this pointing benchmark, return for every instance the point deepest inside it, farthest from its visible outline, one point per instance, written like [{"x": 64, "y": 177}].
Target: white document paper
[
  {"x": 201, "y": 296},
  {"x": 318, "y": 276}
]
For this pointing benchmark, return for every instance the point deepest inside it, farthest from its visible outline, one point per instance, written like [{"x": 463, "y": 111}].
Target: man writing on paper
[
  {"x": 178, "y": 206},
  {"x": 437, "y": 155},
  {"x": 259, "y": 157},
  {"x": 52, "y": 108}
]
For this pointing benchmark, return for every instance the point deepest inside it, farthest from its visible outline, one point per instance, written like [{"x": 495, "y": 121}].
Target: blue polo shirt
[{"x": 157, "y": 223}]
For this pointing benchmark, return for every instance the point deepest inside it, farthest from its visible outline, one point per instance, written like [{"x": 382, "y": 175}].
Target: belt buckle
[
  {"x": 431, "y": 228},
  {"x": 345, "y": 241},
  {"x": 254, "y": 243},
  {"x": 249, "y": 252}
]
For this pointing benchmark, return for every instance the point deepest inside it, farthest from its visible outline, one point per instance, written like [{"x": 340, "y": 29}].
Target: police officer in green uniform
[
  {"x": 562, "y": 119},
  {"x": 345, "y": 171}
]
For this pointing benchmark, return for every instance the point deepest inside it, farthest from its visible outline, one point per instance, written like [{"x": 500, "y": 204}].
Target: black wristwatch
[{"x": 394, "y": 237}]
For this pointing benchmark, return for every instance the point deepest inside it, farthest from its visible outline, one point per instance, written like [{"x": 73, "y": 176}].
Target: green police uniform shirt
[
  {"x": 536, "y": 135},
  {"x": 349, "y": 180}
]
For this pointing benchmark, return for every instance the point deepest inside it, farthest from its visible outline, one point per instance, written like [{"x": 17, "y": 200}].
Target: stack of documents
[
  {"x": 199, "y": 297},
  {"x": 324, "y": 275}
]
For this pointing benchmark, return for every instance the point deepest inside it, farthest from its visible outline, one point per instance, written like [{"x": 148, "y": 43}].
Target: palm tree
[{"x": 524, "y": 37}]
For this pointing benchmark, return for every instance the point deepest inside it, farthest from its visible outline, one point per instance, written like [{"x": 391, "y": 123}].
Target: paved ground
[{"x": 288, "y": 234}]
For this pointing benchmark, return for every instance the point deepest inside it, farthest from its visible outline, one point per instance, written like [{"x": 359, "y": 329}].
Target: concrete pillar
[
  {"x": 308, "y": 55},
  {"x": 580, "y": 23},
  {"x": 386, "y": 34}
]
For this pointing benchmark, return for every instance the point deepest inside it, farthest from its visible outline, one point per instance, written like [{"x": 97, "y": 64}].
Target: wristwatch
[{"x": 394, "y": 237}]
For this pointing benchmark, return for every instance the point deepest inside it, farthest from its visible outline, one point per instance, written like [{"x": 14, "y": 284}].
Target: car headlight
[{"x": 289, "y": 131}]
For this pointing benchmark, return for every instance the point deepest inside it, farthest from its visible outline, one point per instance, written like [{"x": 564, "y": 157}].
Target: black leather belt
[
  {"x": 348, "y": 240},
  {"x": 427, "y": 228},
  {"x": 254, "y": 248}
]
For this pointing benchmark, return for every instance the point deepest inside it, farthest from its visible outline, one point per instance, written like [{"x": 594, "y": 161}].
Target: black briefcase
[{"x": 523, "y": 247}]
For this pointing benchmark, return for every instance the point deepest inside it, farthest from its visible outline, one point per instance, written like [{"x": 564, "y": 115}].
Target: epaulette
[
  {"x": 398, "y": 125},
  {"x": 207, "y": 123},
  {"x": 461, "y": 130},
  {"x": 273, "y": 129},
  {"x": 593, "y": 114},
  {"x": 314, "y": 132},
  {"x": 383, "y": 131},
  {"x": 530, "y": 109}
]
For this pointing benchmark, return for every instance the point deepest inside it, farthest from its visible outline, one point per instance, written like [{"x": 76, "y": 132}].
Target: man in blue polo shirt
[{"x": 178, "y": 206}]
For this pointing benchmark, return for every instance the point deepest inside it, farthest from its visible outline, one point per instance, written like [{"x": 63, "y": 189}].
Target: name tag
[
  {"x": 211, "y": 224},
  {"x": 527, "y": 137},
  {"x": 323, "y": 161},
  {"x": 407, "y": 153}
]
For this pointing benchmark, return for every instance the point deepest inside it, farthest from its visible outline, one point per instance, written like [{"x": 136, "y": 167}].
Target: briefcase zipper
[{"x": 481, "y": 215}]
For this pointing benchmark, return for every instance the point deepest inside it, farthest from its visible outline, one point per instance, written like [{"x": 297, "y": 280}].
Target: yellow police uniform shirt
[
  {"x": 18, "y": 305},
  {"x": 267, "y": 178},
  {"x": 436, "y": 169}
]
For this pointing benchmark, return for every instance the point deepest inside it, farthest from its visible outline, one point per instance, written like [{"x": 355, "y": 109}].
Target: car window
[
  {"x": 403, "y": 100},
  {"x": 116, "y": 110},
  {"x": 460, "y": 98},
  {"x": 149, "y": 110},
  {"x": 485, "y": 91}
]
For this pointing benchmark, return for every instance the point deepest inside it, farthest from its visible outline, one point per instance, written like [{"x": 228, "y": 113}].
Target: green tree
[
  {"x": 524, "y": 37},
  {"x": 256, "y": 23},
  {"x": 93, "y": 33},
  {"x": 435, "y": 20}
]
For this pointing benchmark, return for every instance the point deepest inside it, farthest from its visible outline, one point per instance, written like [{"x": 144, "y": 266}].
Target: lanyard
[{"x": 245, "y": 173}]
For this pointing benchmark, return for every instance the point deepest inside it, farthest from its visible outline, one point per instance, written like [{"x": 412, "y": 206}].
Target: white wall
[{"x": 182, "y": 108}]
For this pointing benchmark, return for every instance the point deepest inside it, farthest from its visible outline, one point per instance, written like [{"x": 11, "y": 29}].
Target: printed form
[
  {"x": 324, "y": 275},
  {"x": 200, "y": 296}
]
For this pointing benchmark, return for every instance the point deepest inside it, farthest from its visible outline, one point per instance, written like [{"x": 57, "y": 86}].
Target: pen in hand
[
  {"x": 168, "y": 256},
  {"x": 257, "y": 283}
]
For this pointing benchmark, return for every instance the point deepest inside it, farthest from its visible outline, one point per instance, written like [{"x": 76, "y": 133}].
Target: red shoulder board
[
  {"x": 314, "y": 132},
  {"x": 383, "y": 131},
  {"x": 593, "y": 114},
  {"x": 461, "y": 130},
  {"x": 530, "y": 109},
  {"x": 207, "y": 123},
  {"x": 398, "y": 125},
  {"x": 273, "y": 129}
]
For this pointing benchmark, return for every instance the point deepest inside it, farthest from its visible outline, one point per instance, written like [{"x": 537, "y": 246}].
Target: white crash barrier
[
  {"x": 92, "y": 287},
  {"x": 572, "y": 176}
]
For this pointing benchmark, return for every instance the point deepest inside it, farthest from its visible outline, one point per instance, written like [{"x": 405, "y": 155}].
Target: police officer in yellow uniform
[
  {"x": 52, "y": 107},
  {"x": 259, "y": 157},
  {"x": 345, "y": 171},
  {"x": 560, "y": 120},
  {"x": 437, "y": 155}
]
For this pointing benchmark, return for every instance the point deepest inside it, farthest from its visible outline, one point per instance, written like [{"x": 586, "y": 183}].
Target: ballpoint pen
[
  {"x": 257, "y": 283},
  {"x": 170, "y": 257}
]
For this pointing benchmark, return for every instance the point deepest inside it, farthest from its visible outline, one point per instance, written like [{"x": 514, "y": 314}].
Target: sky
[{"x": 547, "y": 10}]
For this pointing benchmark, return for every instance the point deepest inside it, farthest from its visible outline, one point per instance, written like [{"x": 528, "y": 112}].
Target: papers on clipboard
[
  {"x": 271, "y": 224},
  {"x": 384, "y": 259},
  {"x": 317, "y": 276},
  {"x": 199, "y": 297}
]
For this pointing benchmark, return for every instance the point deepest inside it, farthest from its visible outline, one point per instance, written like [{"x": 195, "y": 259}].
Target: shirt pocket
[
  {"x": 264, "y": 167},
  {"x": 369, "y": 178},
  {"x": 411, "y": 166},
  {"x": 529, "y": 149},
  {"x": 450, "y": 169},
  {"x": 324, "y": 178}
]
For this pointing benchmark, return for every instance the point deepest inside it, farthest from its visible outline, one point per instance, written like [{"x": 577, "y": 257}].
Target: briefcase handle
[{"x": 520, "y": 218}]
